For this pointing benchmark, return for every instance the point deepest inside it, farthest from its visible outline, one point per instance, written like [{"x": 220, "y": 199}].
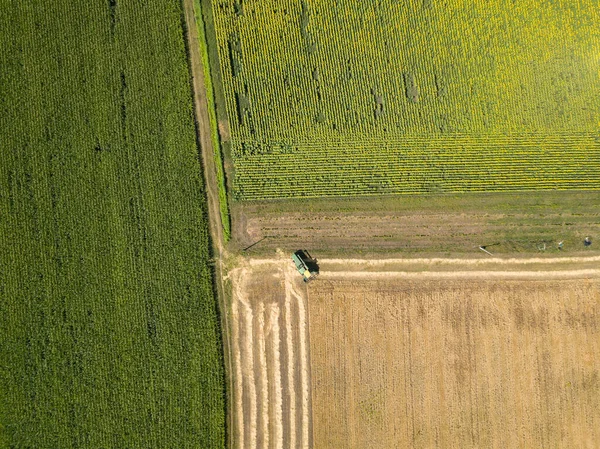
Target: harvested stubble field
[
  {"x": 270, "y": 356},
  {"x": 350, "y": 98},
  {"x": 478, "y": 361}
]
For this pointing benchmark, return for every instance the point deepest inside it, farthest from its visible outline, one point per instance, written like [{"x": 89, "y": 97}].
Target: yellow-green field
[{"x": 347, "y": 97}]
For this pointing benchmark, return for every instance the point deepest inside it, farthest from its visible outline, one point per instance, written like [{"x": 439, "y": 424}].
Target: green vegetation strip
[
  {"x": 109, "y": 331},
  {"x": 214, "y": 133},
  {"x": 422, "y": 164}
]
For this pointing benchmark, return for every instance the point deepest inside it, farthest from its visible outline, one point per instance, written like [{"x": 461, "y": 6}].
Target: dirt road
[{"x": 212, "y": 195}]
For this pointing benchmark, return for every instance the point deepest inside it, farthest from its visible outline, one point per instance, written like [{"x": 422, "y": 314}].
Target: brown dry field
[
  {"x": 465, "y": 362},
  {"x": 416, "y": 353}
]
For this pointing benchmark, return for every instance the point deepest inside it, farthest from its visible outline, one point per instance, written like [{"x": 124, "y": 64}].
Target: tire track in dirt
[{"x": 565, "y": 274}]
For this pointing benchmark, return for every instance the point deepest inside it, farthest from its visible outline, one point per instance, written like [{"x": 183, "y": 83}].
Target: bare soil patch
[{"x": 446, "y": 226}]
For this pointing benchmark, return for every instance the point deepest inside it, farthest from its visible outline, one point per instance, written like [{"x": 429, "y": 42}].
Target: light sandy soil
[
  {"x": 567, "y": 267},
  {"x": 272, "y": 393}
]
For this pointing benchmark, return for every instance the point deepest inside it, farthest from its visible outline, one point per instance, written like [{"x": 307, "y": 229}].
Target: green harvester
[{"x": 305, "y": 264}]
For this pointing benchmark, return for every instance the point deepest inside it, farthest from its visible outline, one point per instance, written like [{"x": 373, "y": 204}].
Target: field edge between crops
[{"x": 206, "y": 148}]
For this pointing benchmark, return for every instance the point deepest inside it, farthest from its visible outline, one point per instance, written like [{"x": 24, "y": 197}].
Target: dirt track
[
  {"x": 568, "y": 274},
  {"x": 212, "y": 195},
  {"x": 501, "y": 268},
  {"x": 448, "y": 261}
]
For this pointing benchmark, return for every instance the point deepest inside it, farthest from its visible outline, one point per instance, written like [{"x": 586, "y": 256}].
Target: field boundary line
[
  {"x": 212, "y": 119},
  {"x": 259, "y": 261},
  {"x": 204, "y": 139},
  {"x": 558, "y": 274},
  {"x": 441, "y": 260}
]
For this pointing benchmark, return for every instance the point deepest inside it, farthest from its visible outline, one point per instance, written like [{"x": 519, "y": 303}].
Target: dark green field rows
[{"x": 109, "y": 331}]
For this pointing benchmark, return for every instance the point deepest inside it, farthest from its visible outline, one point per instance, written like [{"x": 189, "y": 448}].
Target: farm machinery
[{"x": 305, "y": 264}]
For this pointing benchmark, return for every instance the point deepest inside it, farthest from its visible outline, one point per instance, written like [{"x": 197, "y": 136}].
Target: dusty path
[
  {"x": 212, "y": 195},
  {"x": 508, "y": 268},
  {"x": 491, "y": 260},
  {"x": 565, "y": 274},
  {"x": 438, "y": 268}
]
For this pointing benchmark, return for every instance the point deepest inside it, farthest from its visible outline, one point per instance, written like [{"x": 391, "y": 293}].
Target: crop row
[
  {"x": 414, "y": 168},
  {"x": 298, "y": 67},
  {"x": 362, "y": 146}
]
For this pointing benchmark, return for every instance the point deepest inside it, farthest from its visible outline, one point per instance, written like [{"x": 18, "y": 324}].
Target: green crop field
[
  {"x": 347, "y": 97},
  {"x": 109, "y": 329}
]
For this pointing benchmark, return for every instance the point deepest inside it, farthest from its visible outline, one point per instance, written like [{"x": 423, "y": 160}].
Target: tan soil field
[
  {"x": 416, "y": 353},
  {"x": 472, "y": 361}
]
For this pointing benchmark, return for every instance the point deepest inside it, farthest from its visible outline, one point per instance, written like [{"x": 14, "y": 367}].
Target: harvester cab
[{"x": 305, "y": 264}]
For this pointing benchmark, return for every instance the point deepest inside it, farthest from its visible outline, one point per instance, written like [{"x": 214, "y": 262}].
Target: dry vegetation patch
[
  {"x": 270, "y": 353},
  {"x": 455, "y": 363}
]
